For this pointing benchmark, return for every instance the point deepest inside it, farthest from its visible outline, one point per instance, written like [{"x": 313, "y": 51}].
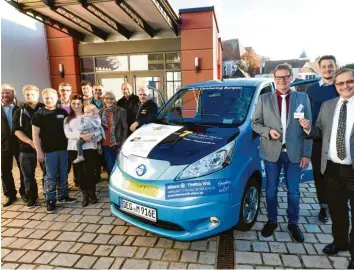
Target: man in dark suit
[
  {"x": 9, "y": 146},
  {"x": 335, "y": 125}
]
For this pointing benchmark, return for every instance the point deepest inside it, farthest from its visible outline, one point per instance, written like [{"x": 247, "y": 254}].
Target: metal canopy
[
  {"x": 48, "y": 21},
  {"x": 105, "y": 20},
  {"x": 135, "y": 17},
  {"x": 163, "y": 9},
  {"x": 77, "y": 20}
]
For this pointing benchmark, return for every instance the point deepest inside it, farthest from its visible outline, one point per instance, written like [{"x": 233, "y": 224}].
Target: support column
[
  {"x": 199, "y": 38},
  {"x": 63, "y": 49}
]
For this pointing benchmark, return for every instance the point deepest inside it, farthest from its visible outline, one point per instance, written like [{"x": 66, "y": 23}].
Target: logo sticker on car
[
  {"x": 196, "y": 188},
  {"x": 141, "y": 170}
]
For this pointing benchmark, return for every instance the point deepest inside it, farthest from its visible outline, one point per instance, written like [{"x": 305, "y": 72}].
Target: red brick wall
[
  {"x": 197, "y": 40},
  {"x": 62, "y": 49}
]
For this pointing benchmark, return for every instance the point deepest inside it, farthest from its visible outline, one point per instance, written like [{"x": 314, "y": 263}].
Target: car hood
[{"x": 179, "y": 145}]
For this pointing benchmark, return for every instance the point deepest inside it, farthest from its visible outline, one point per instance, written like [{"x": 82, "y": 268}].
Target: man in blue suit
[{"x": 283, "y": 145}]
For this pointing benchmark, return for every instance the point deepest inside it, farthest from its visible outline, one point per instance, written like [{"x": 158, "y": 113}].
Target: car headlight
[
  {"x": 120, "y": 158},
  {"x": 209, "y": 164}
]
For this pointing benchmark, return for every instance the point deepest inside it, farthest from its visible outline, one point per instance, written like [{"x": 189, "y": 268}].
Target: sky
[{"x": 282, "y": 29}]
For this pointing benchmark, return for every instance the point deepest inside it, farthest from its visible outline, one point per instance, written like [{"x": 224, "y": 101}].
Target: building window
[
  {"x": 147, "y": 62},
  {"x": 111, "y": 63},
  {"x": 156, "y": 61},
  {"x": 173, "y": 61},
  {"x": 88, "y": 77},
  {"x": 87, "y": 65},
  {"x": 173, "y": 82}
]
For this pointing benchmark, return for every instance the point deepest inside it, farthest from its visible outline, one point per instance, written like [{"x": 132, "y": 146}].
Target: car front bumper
[{"x": 182, "y": 219}]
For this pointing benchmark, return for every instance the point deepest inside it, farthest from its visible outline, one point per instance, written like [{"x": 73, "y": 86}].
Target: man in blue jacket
[{"x": 318, "y": 93}]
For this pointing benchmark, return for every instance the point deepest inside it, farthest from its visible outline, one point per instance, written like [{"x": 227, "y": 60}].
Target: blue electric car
[{"x": 195, "y": 170}]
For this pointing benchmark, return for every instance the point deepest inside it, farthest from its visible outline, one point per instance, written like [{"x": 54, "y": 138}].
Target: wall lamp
[
  {"x": 61, "y": 70},
  {"x": 196, "y": 64}
]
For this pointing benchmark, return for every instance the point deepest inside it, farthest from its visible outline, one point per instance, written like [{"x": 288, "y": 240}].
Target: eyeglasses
[
  {"x": 279, "y": 78},
  {"x": 106, "y": 98},
  {"x": 340, "y": 84}
]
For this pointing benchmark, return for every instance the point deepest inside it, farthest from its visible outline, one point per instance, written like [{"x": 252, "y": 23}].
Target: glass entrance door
[
  {"x": 151, "y": 80},
  {"x": 113, "y": 83}
]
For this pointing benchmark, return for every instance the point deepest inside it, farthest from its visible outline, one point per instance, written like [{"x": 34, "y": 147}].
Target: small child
[{"x": 90, "y": 123}]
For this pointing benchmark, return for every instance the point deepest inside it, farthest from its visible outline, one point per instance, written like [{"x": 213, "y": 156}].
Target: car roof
[
  {"x": 294, "y": 83},
  {"x": 231, "y": 82}
]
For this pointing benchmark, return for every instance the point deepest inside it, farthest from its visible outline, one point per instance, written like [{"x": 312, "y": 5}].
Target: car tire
[{"x": 250, "y": 205}]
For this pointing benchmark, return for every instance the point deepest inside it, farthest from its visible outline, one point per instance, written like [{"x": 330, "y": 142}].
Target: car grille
[{"x": 160, "y": 224}]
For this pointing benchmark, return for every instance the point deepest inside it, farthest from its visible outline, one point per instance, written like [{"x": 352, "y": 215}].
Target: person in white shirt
[
  {"x": 85, "y": 170},
  {"x": 335, "y": 124}
]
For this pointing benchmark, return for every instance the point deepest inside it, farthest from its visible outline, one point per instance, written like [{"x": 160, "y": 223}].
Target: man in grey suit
[
  {"x": 283, "y": 145},
  {"x": 335, "y": 125}
]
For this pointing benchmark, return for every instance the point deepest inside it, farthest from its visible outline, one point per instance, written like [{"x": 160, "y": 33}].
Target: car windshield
[{"x": 219, "y": 106}]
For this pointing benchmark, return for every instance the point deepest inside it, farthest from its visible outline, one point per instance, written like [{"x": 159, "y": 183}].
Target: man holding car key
[{"x": 283, "y": 144}]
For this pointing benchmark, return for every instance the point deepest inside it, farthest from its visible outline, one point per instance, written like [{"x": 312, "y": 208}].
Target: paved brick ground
[
  {"x": 76, "y": 237},
  {"x": 91, "y": 238},
  {"x": 279, "y": 251}
]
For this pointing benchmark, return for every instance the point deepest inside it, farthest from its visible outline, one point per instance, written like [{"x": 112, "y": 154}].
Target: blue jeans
[
  {"x": 292, "y": 172},
  {"x": 28, "y": 163},
  {"x": 110, "y": 155},
  {"x": 56, "y": 163}
]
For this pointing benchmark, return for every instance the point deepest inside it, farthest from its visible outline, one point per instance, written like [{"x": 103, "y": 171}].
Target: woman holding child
[
  {"x": 74, "y": 132},
  {"x": 114, "y": 122}
]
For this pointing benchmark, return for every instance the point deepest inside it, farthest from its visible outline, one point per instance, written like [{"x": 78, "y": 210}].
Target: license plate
[
  {"x": 138, "y": 210},
  {"x": 140, "y": 188}
]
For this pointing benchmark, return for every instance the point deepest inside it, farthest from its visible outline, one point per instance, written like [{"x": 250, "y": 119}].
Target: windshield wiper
[
  {"x": 191, "y": 122},
  {"x": 160, "y": 121}
]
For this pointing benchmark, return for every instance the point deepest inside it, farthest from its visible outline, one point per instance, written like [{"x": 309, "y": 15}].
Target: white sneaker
[{"x": 79, "y": 159}]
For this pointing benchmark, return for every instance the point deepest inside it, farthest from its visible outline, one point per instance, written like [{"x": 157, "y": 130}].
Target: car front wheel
[{"x": 249, "y": 205}]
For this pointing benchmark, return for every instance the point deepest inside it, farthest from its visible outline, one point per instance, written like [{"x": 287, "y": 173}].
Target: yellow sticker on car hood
[{"x": 140, "y": 188}]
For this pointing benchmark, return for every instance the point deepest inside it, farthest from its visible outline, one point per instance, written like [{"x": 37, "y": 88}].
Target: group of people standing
[
  {"x": 295, "y": 128},
  {"x": 319, "y": 126},
  {"x": 84, "y": 132}
]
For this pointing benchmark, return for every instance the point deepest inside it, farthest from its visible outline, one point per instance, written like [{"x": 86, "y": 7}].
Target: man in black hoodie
[
  {"x": 23, "y": 131},
  {"x": 145, "y": 110}
]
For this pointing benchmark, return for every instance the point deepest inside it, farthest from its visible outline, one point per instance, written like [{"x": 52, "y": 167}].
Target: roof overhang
[{"x": 104, "y": 20}]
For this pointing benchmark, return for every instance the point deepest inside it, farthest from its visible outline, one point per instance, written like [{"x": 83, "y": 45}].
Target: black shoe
[
  {"x": 67, "y": 199},
  {"x": 332, "y": 249},
  {"x": 296, "y": 233},
  {"x": 51, "y": 207},
  {"x": 31, "y": 203},
  {"x": 24, "y": 198},
  {"x": 85, "y": 201},
  {"x": 9, "y": 201},
  {"x": 269, "y": 228},
  {"x": 323, "y": 215},
  {"x": 351, "y": 264},
  {"x": 93, "y": 199}
]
